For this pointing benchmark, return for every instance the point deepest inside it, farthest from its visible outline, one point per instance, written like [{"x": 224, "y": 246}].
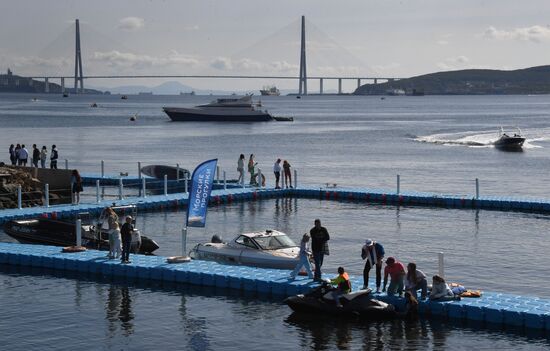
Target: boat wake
[{"x": 476, "y": 139}]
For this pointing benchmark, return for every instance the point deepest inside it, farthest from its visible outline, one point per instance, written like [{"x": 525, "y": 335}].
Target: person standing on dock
[
  {"x": 114, "y": 233},
  {"x": 43, "y": 156},
  {"x": 53, "y": 157},
  {"x": 373, "y": 252},
  {"x": 304, "y": 258},
  {"x": 251, "y": 165},
  {"x": 16, "y": 150},
  {"x": 126, "y": 233},
  {"x": 288, "y": 174},
  {"x": 76, "y": 186},
  {"x": 35, "y": 155},
  {"x": 13, "y": 157},
  {"x": 23, "y": 156},
  {"x": 277, "y": 172},
  {"x": 319, "y": 239},
  {"x": 240, "y": 169}
]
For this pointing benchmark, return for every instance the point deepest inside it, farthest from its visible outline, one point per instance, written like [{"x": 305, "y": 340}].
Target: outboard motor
[{"x": 216, "y": 239}]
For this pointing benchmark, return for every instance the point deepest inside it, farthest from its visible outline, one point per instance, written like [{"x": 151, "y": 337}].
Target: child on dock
[{"x": 304, "y": 259}]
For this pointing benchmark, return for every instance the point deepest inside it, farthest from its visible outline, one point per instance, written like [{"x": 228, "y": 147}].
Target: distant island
[
  {"x": 534, "y": 80},
  {"x": 12, "y": 83}
]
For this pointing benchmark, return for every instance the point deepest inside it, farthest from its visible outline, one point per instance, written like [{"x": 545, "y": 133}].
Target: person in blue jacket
[{"x": 373, "y": 253}]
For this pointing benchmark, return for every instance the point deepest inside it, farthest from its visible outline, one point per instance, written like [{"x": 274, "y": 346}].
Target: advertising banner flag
[{"x": 199, "y": 195}]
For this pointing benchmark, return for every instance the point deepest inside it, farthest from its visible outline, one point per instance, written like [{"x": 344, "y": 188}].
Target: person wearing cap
[
  {"x": 373, "y": 252},
  {"x": 319, "y": 237},
  {"x": 126, "y": 233},
  {"x": 304, "y": 258},
  {"x": 396, "y": 271}
]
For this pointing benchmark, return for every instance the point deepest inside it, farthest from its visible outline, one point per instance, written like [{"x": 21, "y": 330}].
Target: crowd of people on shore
[
  {"x": 20, "y": 156},
  {"x": 402, "y": 280},
  {"x": 278, "y": 171}
]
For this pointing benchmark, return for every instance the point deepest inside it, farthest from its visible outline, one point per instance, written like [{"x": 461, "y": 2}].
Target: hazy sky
[{"x": 348, "y": 38}]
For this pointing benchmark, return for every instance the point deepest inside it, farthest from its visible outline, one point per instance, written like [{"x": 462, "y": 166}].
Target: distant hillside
[
  {"x": 11, "y": 83},
  {"x": 534, "y": 80}
]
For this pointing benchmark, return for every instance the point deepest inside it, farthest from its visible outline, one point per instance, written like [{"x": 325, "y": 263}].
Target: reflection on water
[
  {"x": 119, "y": 309},
  {"x": 149, "y": 315}
]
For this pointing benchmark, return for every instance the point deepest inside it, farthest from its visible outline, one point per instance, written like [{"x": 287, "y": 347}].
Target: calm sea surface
[{"x": 436, "y": 144}]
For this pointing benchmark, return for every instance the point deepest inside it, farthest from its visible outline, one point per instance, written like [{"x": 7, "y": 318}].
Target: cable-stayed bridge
[{"x": 79, "y": 72}]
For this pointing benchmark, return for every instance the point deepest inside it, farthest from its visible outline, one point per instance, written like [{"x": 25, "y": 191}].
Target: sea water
[{"x": 435, "y": 143}]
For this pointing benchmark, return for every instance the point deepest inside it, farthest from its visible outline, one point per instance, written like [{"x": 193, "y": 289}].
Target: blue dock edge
[{"x": 492, "y": 308}]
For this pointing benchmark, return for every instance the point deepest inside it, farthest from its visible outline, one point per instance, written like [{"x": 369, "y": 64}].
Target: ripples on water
[
  {"x": 45, "y": 309},
  {"x": 357, "y": 141}
]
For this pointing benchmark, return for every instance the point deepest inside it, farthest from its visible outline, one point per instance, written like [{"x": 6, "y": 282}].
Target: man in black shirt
[
  {"x": 319, "y": 237},
  {"x": 126, "y": 233}
]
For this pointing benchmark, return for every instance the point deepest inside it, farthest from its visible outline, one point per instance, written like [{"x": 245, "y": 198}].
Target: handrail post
[
  {"x": 120, "y": 189},
  {"x": 218, "y": 174},
  {"x": 177, "y": 172},
  {"x": 47, "y": 194},
  {"x": 78, "y": 232},
  {"x": 143, "y": 187},
  {"x": 165, "y": 185},
  {"x": 398, "y": 184},
  {"x": 295, "y": 178},
  {"x": 477, "y": 189},
  {"x": 19, "y": 197},
  {"x": 441, "y": 267},
  {"x": 186, "y": 177},
  {"x": 139, "y": 170},
  {"x": 97, "y": 190},
  {"x": 224, "y": 181},
  {"x": 66, "y": 164},
  {"x": 102, "y": 169}
]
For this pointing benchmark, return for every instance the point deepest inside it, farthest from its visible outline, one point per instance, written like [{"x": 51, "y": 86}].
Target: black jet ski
[{"x": 359, "y": 303}]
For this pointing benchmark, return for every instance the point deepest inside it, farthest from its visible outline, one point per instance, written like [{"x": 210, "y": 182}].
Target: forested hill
[{"x": 534, "y": 80}]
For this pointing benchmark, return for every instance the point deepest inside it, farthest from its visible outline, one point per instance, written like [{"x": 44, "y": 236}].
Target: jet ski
[{"x": 359, "y": 303}]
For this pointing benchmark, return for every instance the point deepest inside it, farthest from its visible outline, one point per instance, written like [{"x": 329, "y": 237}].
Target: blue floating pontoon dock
[
  {"x": 491, "y": 308},
  {"x": 494, "y": 308}
]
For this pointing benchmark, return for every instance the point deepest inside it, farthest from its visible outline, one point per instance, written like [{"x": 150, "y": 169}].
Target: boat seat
[{"x": 350, "y": 296}]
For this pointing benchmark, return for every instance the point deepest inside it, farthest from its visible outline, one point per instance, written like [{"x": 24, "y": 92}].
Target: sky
[{"x": 364, "y": 38}]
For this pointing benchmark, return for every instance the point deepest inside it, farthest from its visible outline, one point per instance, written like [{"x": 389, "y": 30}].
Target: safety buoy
[
  {"x": 70, "y": 249},
  {"x": 178, "y": 259}
]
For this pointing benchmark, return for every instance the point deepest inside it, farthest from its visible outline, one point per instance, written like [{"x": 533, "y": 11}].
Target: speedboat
[
  {"x": 171, "y": 172},
  {"x": 359, "y": 303},
  {"x": 49, "y": 231},
  {"x": 509, "y": 142},
  {"x": 269, "y": 249},
  {"x": 222, "y": 110}
]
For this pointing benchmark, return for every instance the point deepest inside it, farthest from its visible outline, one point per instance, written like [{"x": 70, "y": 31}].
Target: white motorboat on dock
[{"x": 269, "y": 249}]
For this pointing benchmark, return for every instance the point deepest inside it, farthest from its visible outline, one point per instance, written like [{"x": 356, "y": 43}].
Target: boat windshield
[{"x": 274, "y": 242}]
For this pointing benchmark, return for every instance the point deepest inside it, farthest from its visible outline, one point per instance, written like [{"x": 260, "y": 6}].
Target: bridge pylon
[
  {"x": 78, "y": 76},
  {"x": 303, "y": 75}
]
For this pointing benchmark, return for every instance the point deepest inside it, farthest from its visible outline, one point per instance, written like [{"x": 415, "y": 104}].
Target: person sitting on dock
[
  {"x": 396, "y": 271},
  {"x": 304, "y": 258},
  {"x": 416, "y": 280},
  {"x": 126, "y": 233},
  {"x": 343, "y": 285},
  {"x": 441, "y": 290}
]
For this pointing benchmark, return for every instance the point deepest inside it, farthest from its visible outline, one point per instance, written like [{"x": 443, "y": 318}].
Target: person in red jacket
[{"x": 396, "y": 271}]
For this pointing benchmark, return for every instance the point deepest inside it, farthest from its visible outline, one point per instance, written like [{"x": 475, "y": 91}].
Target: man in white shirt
[
  {"x": 23, "y": 155},
  {"x": 277, "y": 172}
]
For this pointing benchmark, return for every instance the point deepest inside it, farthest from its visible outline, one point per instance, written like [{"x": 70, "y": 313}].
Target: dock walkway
[{"x": 491, "y": 308}]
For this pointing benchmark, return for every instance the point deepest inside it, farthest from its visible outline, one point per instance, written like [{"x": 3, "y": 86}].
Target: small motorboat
[
  {"x": 509, "y": 142},
  {"x": 269, "y": 249},
  {"x": 93, "y": 105},
  {"x": 359, "y": 303},
  {"x": 158, "y": 171},
  {"x": 124, "y": 97},
  {"x": 48, "y": 231}
]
